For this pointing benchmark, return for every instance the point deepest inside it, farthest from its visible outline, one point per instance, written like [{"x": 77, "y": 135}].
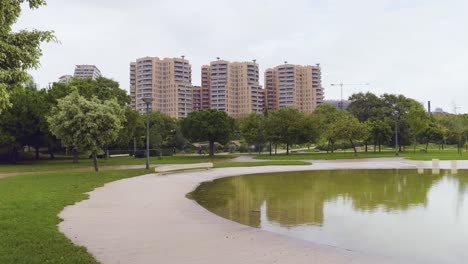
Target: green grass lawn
[
  {"x": 450, "y": 154},
  {"x": 66, "y": 163},
  {"x": 29, "y": 205},
  {"x": 259, "y": 163}
]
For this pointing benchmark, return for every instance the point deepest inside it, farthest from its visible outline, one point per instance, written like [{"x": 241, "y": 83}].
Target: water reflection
[
  {"x": 298, "y": 198},
  {"x": 419, "y": 218}
]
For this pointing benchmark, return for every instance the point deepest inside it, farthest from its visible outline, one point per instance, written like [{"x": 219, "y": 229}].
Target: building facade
[
  {"x": 65, "y": 78},
  {"x": 292, "y": 85},
  {"x": 338, "y": 104},
  {"x": 205, "y": 92},
  {"x": 234, "y": 87},
  {"x": 167, "y": 81},
  {"x": 87, "y": 71}
]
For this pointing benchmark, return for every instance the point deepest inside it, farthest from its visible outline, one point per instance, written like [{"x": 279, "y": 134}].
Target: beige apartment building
[
  {"x": 87, "y": 71},
  {"x": 292, "y": 85},
  {"x": 234, "y": 87},
  {"x": 167, "y": 81}
]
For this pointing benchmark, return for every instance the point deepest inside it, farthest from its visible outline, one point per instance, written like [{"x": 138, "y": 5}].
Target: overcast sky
[{"x": 418, "y": 48}]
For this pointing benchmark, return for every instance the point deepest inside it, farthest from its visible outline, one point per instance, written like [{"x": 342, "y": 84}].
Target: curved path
[{"x": 147, "y": 219}]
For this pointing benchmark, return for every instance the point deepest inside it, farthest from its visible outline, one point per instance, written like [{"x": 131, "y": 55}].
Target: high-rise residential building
[
  {"x": 65, "y": 78},
  {"x": 196, "y": 98},
  {"x": 167, "y": 81},
  {"x": 205, "y": 96},
  {"x": 87, "y": 71},
  {"x": 296, "y": 86},
  {"x": 235, "y": 88}
]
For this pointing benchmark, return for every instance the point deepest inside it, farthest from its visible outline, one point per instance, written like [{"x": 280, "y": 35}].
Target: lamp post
[
  {"x": 147, "y": 101},
  {"x": 396, "y": 115}
]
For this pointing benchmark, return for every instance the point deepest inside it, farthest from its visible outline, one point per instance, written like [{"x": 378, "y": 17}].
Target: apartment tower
[
  {"x": 296, "y": 86},
  {"x": 167, "y": 81},
  {"x": 234, "y": 87},
  {"x": 87, "y": 71}
]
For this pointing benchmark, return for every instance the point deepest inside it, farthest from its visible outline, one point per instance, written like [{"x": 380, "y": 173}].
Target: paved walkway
[{"x": 147, "y": 219}]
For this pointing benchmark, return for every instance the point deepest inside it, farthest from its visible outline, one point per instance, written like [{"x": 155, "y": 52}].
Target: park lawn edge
[
  {"x": 29, "y": 206},
  {"x": 261, "y": 163}
]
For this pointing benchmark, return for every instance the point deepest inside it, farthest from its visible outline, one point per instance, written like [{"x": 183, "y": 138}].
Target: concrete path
[{"x": 147, "y": 219}]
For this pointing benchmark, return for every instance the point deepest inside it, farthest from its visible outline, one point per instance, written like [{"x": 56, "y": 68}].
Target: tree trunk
[
  {"x": 95, "y": 161},
  {"x": 365, "y": 142},
  {"x": 211, "y": 148},
  {"x": 328, "y": 146},
  {"x": 270, "y": 147},
  {"x": 75, "y": 156},
  {"x": 134, "y": 147},
  {"x": 107, "y": 153},
  {"x": 287, "y": 148},
  {"x": 380, "y": 147},
  {"x": 332, "y": 147},
  {"x": 375, "y": 146},
  {"x": 276, "y": 148},
  {"x": 51, "y": 153},
  {"x": 37, "y": 152},
  {"x": 354, "y": 147},
  {"x": 427, "y": 144},
  {"x": 13, "y": 155}
]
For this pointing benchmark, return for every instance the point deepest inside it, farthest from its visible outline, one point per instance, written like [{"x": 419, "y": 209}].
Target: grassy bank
[
  {"x": 66, "y": 163},
  {"x": 431, "y": 154},
  {"x": 260, "y": 163},
  {"x": 29, "y": 205}
]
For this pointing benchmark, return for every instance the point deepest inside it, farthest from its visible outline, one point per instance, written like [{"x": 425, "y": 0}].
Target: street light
[{"x": 147, "y": 101}]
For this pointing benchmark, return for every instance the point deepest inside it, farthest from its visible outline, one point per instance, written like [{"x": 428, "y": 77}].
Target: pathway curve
[{"x": 147, "y": 219}]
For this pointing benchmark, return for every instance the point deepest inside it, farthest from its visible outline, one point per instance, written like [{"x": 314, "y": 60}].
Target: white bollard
[
  {"x": 420, "y": 167},
  {"x": 435, "y": 166},
  {"x": 454, "y": 166}
]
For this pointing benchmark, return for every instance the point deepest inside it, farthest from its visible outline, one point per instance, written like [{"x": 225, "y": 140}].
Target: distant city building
[
  {"x": 439, "y": 111},
  {"x": 87, "y": 71},
  {"x": 296, "y": 86},
  {"x": 338, "y": 103},
  {"x": 167, "y": 81},
  {"x": 234, "y": 87},
  {"x": 65, "y": 78}
]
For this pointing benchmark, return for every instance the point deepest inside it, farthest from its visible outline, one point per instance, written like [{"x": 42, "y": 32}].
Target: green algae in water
[{"x": 411, "y": 217}]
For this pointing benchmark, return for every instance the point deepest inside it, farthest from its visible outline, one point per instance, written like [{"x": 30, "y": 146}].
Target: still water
[{"x": 409, "y": 217}]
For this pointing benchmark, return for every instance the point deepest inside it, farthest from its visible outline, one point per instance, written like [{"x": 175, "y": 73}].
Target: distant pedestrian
[{"x": 199, "y": 149}]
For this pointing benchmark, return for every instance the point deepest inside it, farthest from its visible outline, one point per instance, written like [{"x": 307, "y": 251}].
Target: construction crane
[{"x": 346, "y": 84}]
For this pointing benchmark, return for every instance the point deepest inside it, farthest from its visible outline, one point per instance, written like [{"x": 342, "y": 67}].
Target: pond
[{"x": 409, "y": 217}]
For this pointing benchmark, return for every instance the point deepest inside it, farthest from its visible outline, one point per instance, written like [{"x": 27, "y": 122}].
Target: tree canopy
[
  {"x": 20, "y": 51},
  {"x": 84, "y": 124},
  {"x": 208, "y": 125}
]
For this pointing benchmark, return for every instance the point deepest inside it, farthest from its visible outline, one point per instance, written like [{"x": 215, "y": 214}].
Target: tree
[
  {"x": 396, "y": 107},
  {"x": 380, "y": 131},
  {"x": 348, "y": 127},
  {"x": 162, "y": 128},
  {"x": 253, "y": 130},
  {"x": 20, "y": 51},
  {"x": 327, "y": 116},
  {"x": 284, "y": 126},
  {"x": 435, "y": 131},
  {"x": 418, "y": 121},
  {"x": 102, "y": 88},
  {"x": 209, "y": 124},
  {"x": 84, "y": 124},
  {"x": 22, "y": 122},
  {"x": 365, "y": 106}
]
